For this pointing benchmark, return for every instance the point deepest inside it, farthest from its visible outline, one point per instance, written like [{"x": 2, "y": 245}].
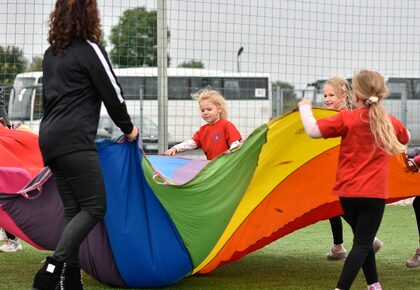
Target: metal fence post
[
  {"x": 162, "y": 62},
  {"x": 281, "y": 99},
  {"x": 404, "y": 106}
]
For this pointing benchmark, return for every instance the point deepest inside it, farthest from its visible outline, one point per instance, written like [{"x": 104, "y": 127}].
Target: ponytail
[{"x": 370, "y": 87}]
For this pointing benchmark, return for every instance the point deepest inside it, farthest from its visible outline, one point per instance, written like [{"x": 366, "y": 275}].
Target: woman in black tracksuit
[{"x": 77, "y": 77}]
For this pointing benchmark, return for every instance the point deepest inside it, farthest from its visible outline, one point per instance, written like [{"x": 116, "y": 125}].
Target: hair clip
[{"x": 371, "y": 100}]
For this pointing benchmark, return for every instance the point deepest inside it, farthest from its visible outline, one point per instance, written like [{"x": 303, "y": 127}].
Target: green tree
[
  {"x": 134, "y": 39},
  {"x": 12, "y": 62},
  {"x": 36, "y": 64},
  {"x": 288, "y": 92},
  {"x": 192, "y": 64}
]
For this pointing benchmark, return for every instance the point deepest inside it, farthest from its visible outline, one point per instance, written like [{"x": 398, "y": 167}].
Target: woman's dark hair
[{"x": 73, "y": 19}]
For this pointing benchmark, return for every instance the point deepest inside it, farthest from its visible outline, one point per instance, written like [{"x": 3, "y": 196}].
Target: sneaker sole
[
  {"x": 378, "y": 248},
  {"x": 411, "y": 266},
  {"x": 336, "y": 258},
  {"x": 12, "y": 251}
]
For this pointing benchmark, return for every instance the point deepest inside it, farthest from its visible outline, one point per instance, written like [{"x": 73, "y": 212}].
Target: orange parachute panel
[{"x": 303, "y": 196}]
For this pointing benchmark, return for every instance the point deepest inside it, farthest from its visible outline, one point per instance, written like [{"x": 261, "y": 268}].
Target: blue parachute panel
[{"x": 146, "y": 245}]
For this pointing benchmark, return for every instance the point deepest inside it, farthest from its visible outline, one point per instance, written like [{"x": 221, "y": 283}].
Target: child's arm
[
  {"x": 414, "y": 163},
  {"x": 308, "y": 120},
  {"x": 233, "y": 137},
  {"x": 181, "y": 147},
  {"x": 235, "y": 144}
]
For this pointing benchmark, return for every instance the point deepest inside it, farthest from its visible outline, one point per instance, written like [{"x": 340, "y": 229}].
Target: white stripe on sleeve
[{"x": 108, "y": 70}]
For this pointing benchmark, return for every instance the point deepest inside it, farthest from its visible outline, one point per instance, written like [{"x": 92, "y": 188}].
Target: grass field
[{"x": 296, "y": 261}]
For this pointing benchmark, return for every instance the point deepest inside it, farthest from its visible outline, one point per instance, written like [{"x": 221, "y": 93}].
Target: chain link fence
[{"x": 261, "y": 55}]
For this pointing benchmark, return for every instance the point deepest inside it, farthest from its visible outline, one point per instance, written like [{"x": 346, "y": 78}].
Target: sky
[{"x": 294, "y": 41}]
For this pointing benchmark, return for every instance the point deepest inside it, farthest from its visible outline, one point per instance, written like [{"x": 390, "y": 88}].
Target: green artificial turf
[{"x": 296, "y": 261}]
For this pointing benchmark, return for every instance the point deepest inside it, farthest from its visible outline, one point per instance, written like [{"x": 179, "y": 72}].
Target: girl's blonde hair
[
  {"x": 370, "y": 88},
  {"x": 342, "y": 87},
  {"x": 215, "y": 97}
]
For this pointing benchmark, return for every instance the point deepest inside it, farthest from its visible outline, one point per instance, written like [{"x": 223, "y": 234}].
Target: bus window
[
  {"x": 131, "y": 87},
  {"x": 396, "y": 89},
  {"x": 196, "y": 85},
  {"x": 199, "y": 83},
  {"x": 261, "y": 88},
  {"x": 212, "y": 83},
  {"x": 179, "y": 88},
  {"x": 150, "y": 88},
  {"x": 246, "y": 89},
  {"x": 205, "y": 82},
  {"x": 416, "y": 95},
  {"x": 20, "y": 106},
  {"x": 216, "y": 84},
  {"x": 231, "y": 90},
  {"x": 38, "y": 103},
  {"x": 252, "y": 88},
  {"x": 21, "y": 83}
]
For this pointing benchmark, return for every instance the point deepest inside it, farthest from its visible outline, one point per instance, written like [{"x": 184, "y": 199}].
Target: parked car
[{"x": 148, "y": 132}]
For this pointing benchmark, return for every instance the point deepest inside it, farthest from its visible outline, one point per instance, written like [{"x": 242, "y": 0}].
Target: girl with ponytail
[{"x": 369, "y": 135}]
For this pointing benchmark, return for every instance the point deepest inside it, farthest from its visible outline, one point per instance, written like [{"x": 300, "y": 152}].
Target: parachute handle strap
[{"x": 161, "y": 179}]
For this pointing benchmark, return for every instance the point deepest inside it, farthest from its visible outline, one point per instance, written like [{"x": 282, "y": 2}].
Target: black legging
[
  {"x": 80, "y": 184},
  {"x": 337, "y": 230},
  {"x": 364, "y": 216},
  {"x": 416, "y": 206},
  {"x": 10, "y": 236}
]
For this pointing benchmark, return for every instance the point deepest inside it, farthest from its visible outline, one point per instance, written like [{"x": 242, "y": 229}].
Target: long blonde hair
[
  {"x": 342, "y": 87},
  {"x": 215, "y": 97},
  {"x": 370, "y": 88}
]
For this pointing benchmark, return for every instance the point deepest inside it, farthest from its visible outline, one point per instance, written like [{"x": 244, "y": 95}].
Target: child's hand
[
  {"x": 133, "y": 135},
  {"x": 305, "y": 102},
  {"x": 412, "y": 166},
  {"x": 171, "y": 151}
]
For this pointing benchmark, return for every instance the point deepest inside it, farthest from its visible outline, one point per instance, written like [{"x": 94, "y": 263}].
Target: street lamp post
[{"x": 239, "y": 54}]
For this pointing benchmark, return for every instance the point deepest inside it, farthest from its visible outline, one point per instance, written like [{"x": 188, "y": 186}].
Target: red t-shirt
[
  {"x": 214, "y": 139},
  {"x": 362, "y": 166}
]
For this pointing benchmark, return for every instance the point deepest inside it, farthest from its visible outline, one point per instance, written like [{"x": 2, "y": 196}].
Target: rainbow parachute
[{"x": 168, "y": 217}]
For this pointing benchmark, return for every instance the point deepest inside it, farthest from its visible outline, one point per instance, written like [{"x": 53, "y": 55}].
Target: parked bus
[
  {"x": 403, "y": 101},
  {"x": 247, "y": 95}
]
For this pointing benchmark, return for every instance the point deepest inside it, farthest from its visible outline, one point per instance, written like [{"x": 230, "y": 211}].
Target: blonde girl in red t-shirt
[
  {"x": 337, "y": 95},
  {"x": 368, "y": 136},
  {"x": 215, "y": 137}
]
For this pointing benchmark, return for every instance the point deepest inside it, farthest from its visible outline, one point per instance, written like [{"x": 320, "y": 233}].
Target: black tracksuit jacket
[{"x": 74, "y": 85}]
